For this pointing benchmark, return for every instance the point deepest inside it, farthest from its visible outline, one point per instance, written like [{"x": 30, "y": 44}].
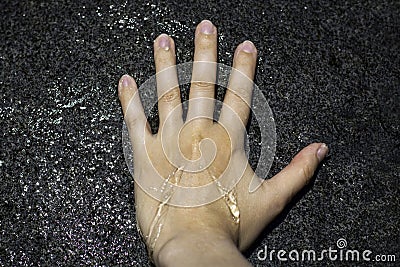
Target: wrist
[{"x": 207, "y": 248}]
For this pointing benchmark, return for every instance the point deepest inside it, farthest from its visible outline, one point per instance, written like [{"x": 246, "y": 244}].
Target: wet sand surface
[{"x": 330, "y": 73}]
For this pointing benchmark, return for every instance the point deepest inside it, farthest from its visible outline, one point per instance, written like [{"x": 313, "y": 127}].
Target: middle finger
[{"x": 201, "y": 93}]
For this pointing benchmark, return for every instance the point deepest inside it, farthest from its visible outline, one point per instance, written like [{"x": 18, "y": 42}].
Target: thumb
[
  {"x": 275, "y": 193},
  {"x": 297, "y": 174}
]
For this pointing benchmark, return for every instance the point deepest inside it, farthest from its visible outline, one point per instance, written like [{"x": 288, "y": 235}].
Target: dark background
[{"x": 330, "y": 72}]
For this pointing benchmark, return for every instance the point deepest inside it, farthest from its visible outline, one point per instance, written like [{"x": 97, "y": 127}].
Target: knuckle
[
  {"x": 242, "y": 92},
  {"x": 206, "y": 42},
  {"x": 202, "y": 86},
  {"x": 307, "y": 171},
  {"x": 131, "y": 121},
  {"x": 163, "y": 60},
  {"x": 244, "y": 59},
  {"x": 171, "y": 95}
]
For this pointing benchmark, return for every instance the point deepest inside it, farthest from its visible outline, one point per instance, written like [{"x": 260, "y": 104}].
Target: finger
[
  {"x": 133, "y": 111},
  {"x": 204, "y": 71},
  {"x": 288, "y": 182},
  {"x": 240, "y": 87},
  {"x": 167, "y": 82}
]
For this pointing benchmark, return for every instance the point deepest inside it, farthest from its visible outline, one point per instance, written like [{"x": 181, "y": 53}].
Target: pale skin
[{"x": 206, "y": 235}]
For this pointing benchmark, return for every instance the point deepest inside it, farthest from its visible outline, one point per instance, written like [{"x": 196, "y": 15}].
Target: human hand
[{"x": 180, "y": 154}]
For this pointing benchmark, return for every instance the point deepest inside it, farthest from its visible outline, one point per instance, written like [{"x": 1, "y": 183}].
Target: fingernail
[
  {"x": 206, "y": 27},
  {"x": 125, "y": 81},
  {"x": 163, "y": 41},
  {"x": 322, "y": 151},
  {"x": 248, "y": 47}
]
